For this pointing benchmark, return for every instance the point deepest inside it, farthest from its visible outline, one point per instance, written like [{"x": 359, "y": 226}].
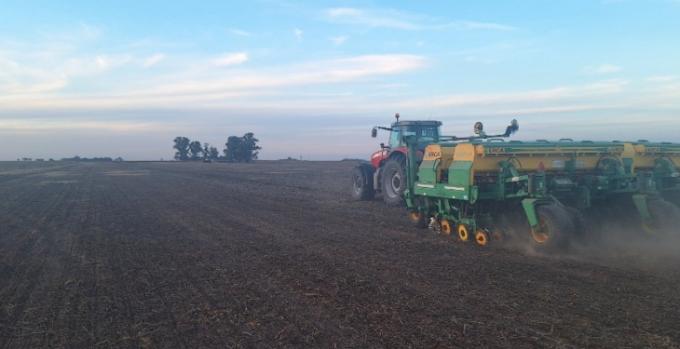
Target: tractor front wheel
[{"x": 393, "y": 182}]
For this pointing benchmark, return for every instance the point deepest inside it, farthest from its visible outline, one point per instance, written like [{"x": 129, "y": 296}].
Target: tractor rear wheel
[
  {"x": 362, "y": 183},
  {"x": 554, "y": 228},
  {"x": 393, "y": 182}
]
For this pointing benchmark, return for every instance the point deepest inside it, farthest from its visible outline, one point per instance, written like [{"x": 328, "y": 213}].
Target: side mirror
[
  {"x": 514, "y": 127},
  {"x": 374, "y": 132},
  {"x": 479, "y": 128}
]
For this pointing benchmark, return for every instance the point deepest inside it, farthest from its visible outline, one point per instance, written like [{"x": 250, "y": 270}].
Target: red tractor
[{"x": 385, "y": 173}]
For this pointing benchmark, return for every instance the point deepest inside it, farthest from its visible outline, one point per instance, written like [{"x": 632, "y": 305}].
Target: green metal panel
[
  {"x": 458, "y": 185},
  {"x": 427, "y": 172},
  {"x": 529, "y": 206},
  {"x": 442, "y": 191},
  {"x": 641, "y": 205},
  {"x": 459, "y": 173}
]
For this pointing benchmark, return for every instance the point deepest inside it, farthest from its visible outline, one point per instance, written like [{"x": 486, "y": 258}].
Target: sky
[{"x": 310, "y": 78}]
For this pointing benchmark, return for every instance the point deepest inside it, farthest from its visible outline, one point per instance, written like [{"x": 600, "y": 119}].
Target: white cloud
[
  {"x": 603, "y": 69},
  {"x": 533, "y": 97},
  {"x": 339, "y": 40},
  {"x": 231, "y": 59},
  {"x": 378, "y": 19},
  {"x": 106, "y": 62},
  {"x": 298, "y": 34},
  {"x": 474, "y": 25},
  {"x": 29, "y": 73},
  {"x": 240, "y": 32},
  {"x": 102, "y": 62},
  {"x": 224, "y": 88},
  {"x": 45, "y": 85},
  {"x": 345, "y": 12},
  {"x": 267, "y": 81},
  {"x": 392, "y": 19},
  {"x": 153, "y": 60},
  {"x": 51, "y": 125},
  {"x": 662, "y": 78}
]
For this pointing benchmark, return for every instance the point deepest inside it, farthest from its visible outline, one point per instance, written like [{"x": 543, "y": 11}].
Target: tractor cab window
[
  {"x": 395, "y": 137},
  {"x": 425, "y": 134}
]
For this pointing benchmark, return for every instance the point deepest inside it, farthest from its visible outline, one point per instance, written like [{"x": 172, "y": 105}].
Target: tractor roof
[{"x": 418, "y": 123}]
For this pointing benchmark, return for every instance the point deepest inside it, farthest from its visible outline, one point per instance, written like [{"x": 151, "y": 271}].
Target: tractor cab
[{"x": 425, "y": 131}]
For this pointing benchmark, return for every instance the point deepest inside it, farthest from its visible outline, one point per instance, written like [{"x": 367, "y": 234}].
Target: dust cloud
[{"x": 631, "y": 248}]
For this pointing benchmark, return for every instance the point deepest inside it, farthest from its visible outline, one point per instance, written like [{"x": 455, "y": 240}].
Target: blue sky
[{"x": 122, "y": 78}]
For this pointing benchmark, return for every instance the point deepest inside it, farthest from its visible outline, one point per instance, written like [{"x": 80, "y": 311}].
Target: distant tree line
[
  {"x": 77, "y": 158},
  {"x": 236, "y": 149},
  {"x": 95, "y": 159}
]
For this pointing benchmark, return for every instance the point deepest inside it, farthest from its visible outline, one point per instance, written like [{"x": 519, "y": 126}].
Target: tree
[
  {"x": 182, "y": 148},
  {"x": 210, "y": 153},
  {"x": 214, "y": 154},
  {"x": 249, "y": 148},
  {"x": 195, "y": 149},
  {"x": 242, "y": 149},
  {"x": 206, "y": 151},
  {"x": 232, "y": 150}
]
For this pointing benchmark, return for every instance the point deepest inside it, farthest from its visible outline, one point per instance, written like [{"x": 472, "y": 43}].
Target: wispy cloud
[
  {"x": 603, "y": 69},
  {"x": 25, "y": 71},
  {"x": 339, "y": 40},
  {"x": 393, "y": 19},
  {"x": 266, "y": 81},
  {"x": 209, "y": 87},
  {"x": 474, "y": 25},
  {"x": 379, "y": 19},
  {"x": 240, "y": 32},
  {"x": 231, "y": 59},
  {"x": 662, "y": 78},
  {"x": 51, "y": 125},
  {"x": 105, "y": 62},
  {"x": 38, "y": 85},
  {"x": 153, "y": 60},
  {"x": 534, "y": 97}
]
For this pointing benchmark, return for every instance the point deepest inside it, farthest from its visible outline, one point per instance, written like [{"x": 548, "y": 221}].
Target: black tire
[
  {"x": 418, "y": 219},
  {"x": 555, "y": 228},
  {"x": 362, "y": 183},
  {"x": 393, "y": 182},
  {"x": 665, "y": 216}
]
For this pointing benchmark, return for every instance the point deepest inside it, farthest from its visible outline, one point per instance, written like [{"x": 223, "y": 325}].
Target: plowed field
[{"x": 274, "y": 254}]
